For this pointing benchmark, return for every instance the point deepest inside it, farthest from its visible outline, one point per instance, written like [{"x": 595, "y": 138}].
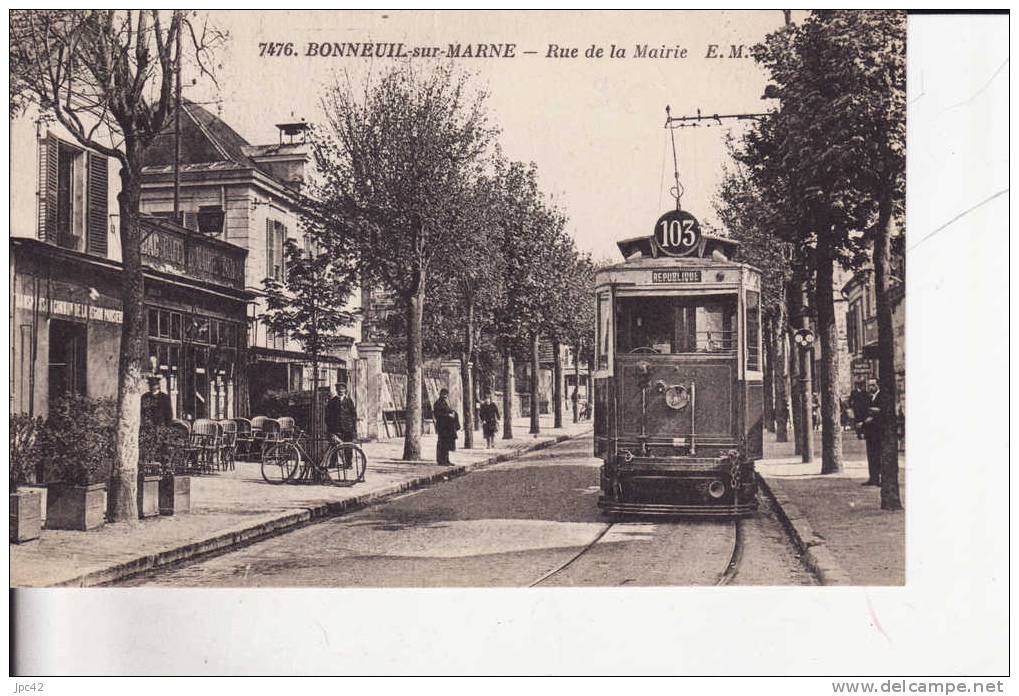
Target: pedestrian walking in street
[
  {"x": 489, "y": 416},
  {"x": 447, "y": 423},
  {"x": 860, "y": 403},
  {"x": 341, "y": 418},
  {"x": 872, "y": 434},
  {"x": 575, "y": 398}
]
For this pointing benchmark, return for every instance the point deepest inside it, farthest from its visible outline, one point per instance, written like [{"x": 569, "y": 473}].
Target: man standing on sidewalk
[
  {"x": 447, "y": 422},
  {"x": 341, "y": 417},
  {"x": 872, "y": 433},
  {"x": 859, "y": 401}
]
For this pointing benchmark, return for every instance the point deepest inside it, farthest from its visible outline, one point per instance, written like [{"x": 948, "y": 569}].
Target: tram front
[{"x": 679, "y": 380}]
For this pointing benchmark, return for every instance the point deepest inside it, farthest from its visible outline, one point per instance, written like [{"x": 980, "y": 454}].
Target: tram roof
[{"x": 711, "y": 248}]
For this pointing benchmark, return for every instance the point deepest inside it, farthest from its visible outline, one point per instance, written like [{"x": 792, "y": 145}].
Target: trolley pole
[{"x": 806, "y": 389}]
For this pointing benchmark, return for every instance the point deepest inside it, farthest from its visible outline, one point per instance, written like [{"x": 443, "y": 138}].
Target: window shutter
[
  {"x": 282, "y": 233},
  {"x": 48, "y": 164},
  {"x": 269, "y": 248},
  {"x": 98, "y": 204}
]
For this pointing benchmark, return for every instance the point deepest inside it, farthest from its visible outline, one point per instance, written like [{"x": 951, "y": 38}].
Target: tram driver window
[{"x": 670, "y": 325}]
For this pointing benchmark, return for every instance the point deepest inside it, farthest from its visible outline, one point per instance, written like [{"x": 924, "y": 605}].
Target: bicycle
[{"x": 290, "y": 461}]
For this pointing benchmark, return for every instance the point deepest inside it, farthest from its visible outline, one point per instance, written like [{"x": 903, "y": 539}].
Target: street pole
[
  {"x": 176, "y": 138},
  {"x": 806, "y": 389}
]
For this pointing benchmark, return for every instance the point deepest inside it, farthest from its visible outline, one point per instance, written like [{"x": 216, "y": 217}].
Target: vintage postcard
[{"x": 450, "y": 299}]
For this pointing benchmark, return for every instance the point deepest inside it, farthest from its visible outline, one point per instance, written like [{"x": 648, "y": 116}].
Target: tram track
[{"x": 725, "y": 577}]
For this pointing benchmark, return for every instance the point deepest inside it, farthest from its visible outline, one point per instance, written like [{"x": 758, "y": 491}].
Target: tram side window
[
  {"x": 670, "y": 325},
  {"x": 753, "y": 330},
  {"x": 604, "y": 330}
]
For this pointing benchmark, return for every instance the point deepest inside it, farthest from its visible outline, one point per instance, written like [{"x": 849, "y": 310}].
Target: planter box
[
  {"x": 175, "y": 495},
  {"x": 25, "y": 516},
  {"x": 76, "y": 507},
  {"x": 148, "y": 496}
]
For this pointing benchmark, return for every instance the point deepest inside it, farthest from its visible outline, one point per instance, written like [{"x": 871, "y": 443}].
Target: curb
[
  {"x": 813, "y": 549},
  {"x": 291, "y": 520}
]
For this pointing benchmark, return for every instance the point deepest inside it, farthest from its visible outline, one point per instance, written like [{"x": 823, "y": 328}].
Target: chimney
[{"x": 286, "y": 160}]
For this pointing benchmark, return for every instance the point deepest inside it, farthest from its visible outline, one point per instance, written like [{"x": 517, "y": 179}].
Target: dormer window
[{"x": 73, "y": 196}]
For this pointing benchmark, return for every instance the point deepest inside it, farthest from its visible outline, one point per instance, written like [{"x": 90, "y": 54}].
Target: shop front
[{"x": 67, "y": 317}]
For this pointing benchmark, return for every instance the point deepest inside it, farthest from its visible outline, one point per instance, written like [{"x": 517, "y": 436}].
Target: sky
[{"x": 593, "y": 125}]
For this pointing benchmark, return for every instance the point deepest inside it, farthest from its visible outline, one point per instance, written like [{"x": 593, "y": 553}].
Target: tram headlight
[{"x": 716, "y": 489}]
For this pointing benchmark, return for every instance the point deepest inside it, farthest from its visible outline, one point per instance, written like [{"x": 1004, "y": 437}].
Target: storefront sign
[
  {"x": 675, "y": 276},
  {"x": 66, "y": 308}
]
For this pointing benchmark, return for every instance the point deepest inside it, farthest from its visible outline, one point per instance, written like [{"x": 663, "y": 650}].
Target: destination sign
[{"x": 675, "y": 276}]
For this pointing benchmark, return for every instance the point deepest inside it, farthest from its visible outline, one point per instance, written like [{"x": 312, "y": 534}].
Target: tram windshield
[{"x": 670, "y": 325}]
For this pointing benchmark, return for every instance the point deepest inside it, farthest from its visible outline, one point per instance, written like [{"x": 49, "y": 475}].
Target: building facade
[
  {"x": 65, "y": 269},
  {"x": 861, "y": 323},
  {"x": 249, "y": 196}
]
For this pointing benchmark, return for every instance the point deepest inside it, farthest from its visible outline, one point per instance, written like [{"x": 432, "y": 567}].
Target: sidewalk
[
  {"x": 838, "y": 524},
  {"x": 232, "y": 508}
]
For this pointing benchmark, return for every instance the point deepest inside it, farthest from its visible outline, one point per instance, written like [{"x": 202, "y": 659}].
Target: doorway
[{"x": 67, "y": 358}]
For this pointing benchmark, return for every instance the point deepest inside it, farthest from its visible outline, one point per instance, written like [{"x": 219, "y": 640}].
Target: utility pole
[
  {"x": 806, "y": 385},
  {"x": 176, "y": 137}
]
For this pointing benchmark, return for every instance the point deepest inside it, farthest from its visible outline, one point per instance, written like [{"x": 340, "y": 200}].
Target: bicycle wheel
[
  {"x": 280, "y": 462},
  {"x": 345, "y": 464}
]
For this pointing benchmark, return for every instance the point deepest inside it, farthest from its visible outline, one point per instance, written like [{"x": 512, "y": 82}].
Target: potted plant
[
  {"x": 25, "y": 504},
  {"x": 163, "y": 486},
  {"x": 76, "y": 448}
]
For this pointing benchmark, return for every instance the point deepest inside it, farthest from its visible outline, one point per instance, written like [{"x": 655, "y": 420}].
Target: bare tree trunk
[
  {"x": 123, "y": 484},
  {"x": 769, "y": 377},
  {"x": 508, "y": 387},
  {"x": 891, "y": 499},
  {"x": 413, "y": 419},
  {"x": 778, "y": 336},
  {"x": 466, "y": 378},
  {"x": 576, "y": 384},
  {"x": 535, "y": 384},
  {"x": 795, "y": 303},
  {"x": 828, "y": 337},
  {"x": 557, "y": 386}
]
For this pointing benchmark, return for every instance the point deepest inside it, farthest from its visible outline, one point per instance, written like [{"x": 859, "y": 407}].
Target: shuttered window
[
  {"x": 73, "y": 196},
  {"x": 275, "y": 262},
  {"x": 98, "y": 204}
]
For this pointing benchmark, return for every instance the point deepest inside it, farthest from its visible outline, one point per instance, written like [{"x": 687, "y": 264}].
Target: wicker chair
[
  {"x": 228, "y": 446},
  {"x": 245, "y": 437},
  {"x": 183, "y": 454},
  {"x": 288, "y": 428},
  {"x": 267, "y": 432},
  {"x": 207, "y": 436}
]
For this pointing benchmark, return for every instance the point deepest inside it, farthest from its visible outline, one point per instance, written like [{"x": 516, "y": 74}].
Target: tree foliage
[{"x": 107, "y": 77}]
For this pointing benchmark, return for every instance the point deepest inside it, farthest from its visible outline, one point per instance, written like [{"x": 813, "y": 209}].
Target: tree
[
  {"x": 308, "y": 304},
  {"x": 579, "y": 319},
  {"x": 745, "y": 211},
  {"x": 396, "y": 156},
  {"x": 868, "y": 121},
  {"x": 107, "y": 77},
  {"x": 797, "y": 157},
  {"x": 466, "y": 290}
]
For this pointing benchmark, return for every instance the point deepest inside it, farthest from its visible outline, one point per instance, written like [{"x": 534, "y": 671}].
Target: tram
[{"x": 678, "y": 381}]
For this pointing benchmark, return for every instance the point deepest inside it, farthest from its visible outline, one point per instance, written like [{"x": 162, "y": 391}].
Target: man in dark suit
[
  {"x": 341, "y": 419},
  {"x": 156, "y": 409},
  {"x": 156, "y": 413},
  {"x": 872, "y": 434},
  {"x": 859, "y": 401},
  {"x": 447, "y": 422}
]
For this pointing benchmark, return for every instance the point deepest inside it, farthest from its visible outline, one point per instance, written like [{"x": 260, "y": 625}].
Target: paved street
[{"x": 510, "y": 524}]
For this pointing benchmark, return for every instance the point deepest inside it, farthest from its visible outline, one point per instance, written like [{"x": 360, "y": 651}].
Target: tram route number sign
[
  {"x": 677, "y": 233},
  {"x": 675, "y": 276}
]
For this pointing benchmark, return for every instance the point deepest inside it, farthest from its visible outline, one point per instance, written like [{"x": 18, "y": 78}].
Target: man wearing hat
[
  {"x": 156, "y": 409},
  {"x": 341, "y": 418},
  {"x": 447, "y": 422}
]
